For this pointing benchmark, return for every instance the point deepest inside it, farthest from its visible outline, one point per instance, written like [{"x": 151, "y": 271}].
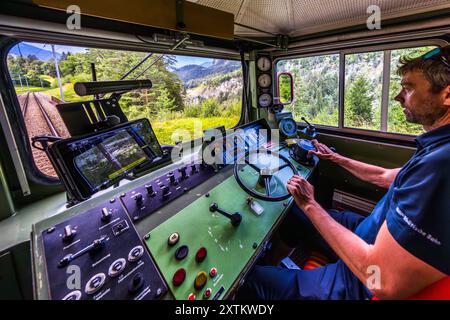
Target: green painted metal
[{"x": 229, "y": 248}]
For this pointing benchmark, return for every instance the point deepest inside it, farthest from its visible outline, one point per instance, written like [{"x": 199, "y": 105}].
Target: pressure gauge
[
  {"x": 265, "y": 100},
  {"x": 264, "y": 80},
  {"x": 263, "y": 64}
]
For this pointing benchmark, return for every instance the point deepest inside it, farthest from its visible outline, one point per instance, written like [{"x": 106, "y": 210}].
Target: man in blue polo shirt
[{"x": 404, "y": 245}]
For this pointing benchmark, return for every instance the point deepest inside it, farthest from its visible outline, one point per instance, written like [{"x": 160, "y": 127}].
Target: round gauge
[
  {"x": 265, "y": 100},
  {"x": 264, "y": 80},
  {"x": 288, "y": 127},
  {"x": 264, "y": 64}
]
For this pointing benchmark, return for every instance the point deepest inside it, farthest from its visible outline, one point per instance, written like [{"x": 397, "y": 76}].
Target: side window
[
  {"x": 370, "y": 87},
  {"x": 316, "y": 88},
  {"x": 189, "y": 94},
  {"x": 396, "y": 118},
  {"x": 363, "y": 87}
]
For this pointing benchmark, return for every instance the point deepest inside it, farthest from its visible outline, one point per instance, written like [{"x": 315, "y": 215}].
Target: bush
[
  {"x": 210, "y": 108},
  {"x": 193, "y": 111}
]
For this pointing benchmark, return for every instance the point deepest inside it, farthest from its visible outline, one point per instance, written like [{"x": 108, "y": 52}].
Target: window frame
[{"x": 341, "y": 129}]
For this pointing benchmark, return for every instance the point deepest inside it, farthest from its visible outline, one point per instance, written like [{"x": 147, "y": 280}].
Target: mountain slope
[
  {"x": 193, "y": 71},
  {"x": 25, "y": 50}
]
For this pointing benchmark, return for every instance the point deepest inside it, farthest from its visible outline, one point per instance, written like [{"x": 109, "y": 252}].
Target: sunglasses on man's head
[{"x": 440, "y": 54}]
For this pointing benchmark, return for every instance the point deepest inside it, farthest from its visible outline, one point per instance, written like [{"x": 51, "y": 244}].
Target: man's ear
[{"x": 446, "y": 93}]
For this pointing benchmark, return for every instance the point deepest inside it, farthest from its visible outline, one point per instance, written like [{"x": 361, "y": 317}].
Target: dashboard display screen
[{"x": 96, "y": 161}]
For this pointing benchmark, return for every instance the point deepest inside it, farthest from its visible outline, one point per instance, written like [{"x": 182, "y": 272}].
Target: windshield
[{"x": 189, "y": 94}]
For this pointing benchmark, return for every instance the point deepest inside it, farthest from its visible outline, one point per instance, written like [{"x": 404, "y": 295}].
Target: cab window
[
  {"x": 370, "y": 83},
  {"x": 188, "y": 92}
]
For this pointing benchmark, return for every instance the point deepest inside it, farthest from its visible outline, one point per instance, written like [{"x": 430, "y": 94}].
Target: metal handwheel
[{"x": 262, "y": 170}]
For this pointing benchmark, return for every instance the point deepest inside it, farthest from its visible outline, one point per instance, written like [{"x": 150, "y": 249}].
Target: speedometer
[
  {"x": 263, "y": 64},
  {"x": 265, "y": 100},
  {"x": 264, "y": 80}
]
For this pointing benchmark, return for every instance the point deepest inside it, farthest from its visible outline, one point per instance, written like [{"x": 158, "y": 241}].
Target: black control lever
[
  {"x": 95, "y": 245},
  {"x": 235, "y": 218},
  {"x": 310, "y": 130}
]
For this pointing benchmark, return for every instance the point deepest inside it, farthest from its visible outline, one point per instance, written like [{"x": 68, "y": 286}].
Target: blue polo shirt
[{"x": 417, "y": 205}]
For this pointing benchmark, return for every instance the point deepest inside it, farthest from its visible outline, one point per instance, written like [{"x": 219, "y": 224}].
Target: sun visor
[{"x": 192, "y": 18}]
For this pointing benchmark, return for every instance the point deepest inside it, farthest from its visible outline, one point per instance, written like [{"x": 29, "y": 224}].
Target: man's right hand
[{"x": 322, "y": 151}]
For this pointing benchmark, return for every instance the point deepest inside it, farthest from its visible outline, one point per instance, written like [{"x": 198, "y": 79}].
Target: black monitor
[{"x": 90, "y": 163}]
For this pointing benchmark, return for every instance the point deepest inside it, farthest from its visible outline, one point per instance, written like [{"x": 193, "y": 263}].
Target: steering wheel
[{"x": 263, "y": 174}]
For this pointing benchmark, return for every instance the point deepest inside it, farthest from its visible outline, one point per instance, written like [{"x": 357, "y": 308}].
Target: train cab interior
[{"x": 146, "y": 146}]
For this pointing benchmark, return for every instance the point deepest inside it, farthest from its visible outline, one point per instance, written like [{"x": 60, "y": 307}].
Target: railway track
[
  {"x": 48, "y": 121},
  {"x": 25, "y": 104}
]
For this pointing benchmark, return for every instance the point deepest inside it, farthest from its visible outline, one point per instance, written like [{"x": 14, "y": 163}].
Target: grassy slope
[{"x": 186, "y": 126}]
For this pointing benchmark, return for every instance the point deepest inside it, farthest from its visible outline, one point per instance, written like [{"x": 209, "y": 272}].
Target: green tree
[{"x": 359, "y": 103}]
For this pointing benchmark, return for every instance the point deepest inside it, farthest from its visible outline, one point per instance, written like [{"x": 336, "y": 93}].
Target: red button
[
  {"x": 207, "y": 293},
  {"x": 191, "y": 296},
  {"x": 201, "y": 254},
  {"x": 213, "y": 272},
  {"x": 179, "y": 277}
]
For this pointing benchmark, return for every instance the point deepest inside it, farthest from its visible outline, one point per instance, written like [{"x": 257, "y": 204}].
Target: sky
[
  {"x": 58, "y": 48},
  {"x": 181, "y": 60}
]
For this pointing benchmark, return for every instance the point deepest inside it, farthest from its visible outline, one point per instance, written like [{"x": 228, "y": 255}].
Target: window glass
[
  {"x": 396, "y": 118},
  {"x": 189, "y": 94},
  {"x": 363, "y": 87},
  {"x": 316, "y": 88}
]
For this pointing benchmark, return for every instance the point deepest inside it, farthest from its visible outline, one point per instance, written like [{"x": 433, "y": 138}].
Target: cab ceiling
[{"x": 296, "y": 18}]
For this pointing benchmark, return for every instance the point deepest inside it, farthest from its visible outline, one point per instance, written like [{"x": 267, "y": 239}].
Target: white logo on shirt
[{"x": 413, "y": 226}]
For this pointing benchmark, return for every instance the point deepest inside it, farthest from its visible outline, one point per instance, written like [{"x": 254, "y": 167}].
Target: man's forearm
[
  {"x": 348, "y": 246},
  {"x": 373, "y": 174}
]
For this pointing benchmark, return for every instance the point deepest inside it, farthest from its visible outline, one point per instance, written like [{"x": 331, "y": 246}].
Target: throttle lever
[{"x": 235, "y": 218}]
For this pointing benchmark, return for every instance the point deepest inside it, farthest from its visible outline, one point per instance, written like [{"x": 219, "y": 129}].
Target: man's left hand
[{"x": 302, "y": 191}]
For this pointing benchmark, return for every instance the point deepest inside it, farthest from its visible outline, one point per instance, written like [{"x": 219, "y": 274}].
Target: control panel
[
  {"x": 196, "y": 251},
  {"x": 203, "y": 261},
  {"x": 157, "y": 193},
  {"x": 99, "y": 255}
]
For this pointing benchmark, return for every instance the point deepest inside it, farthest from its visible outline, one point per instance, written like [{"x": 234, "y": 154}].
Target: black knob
[
  {"x": 150, "y": 190},
  {"x": 182, "y": 170},
  {"x": 139, "y": 199},
  {"x": 165, "y": 191},
  {"x": 172, "y": 178},
  {"x": 136, "y": 283},
  {"x": 194, "y": 168}
]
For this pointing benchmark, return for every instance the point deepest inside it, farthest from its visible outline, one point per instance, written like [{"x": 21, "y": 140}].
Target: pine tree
[{"x": 359, "y": 103}]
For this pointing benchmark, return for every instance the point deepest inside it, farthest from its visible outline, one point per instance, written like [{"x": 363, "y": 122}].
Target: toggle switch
[
  {"x": 182, "y": 170},
  {"x": 165, "y": 191},
  {"x": 106, "y": 214},
  {"x": 69, "y": 233},
  {"x": 150, "y": 190},
  {"x": 139, "y": 199},
  {"x": 172, "y": 178}
]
